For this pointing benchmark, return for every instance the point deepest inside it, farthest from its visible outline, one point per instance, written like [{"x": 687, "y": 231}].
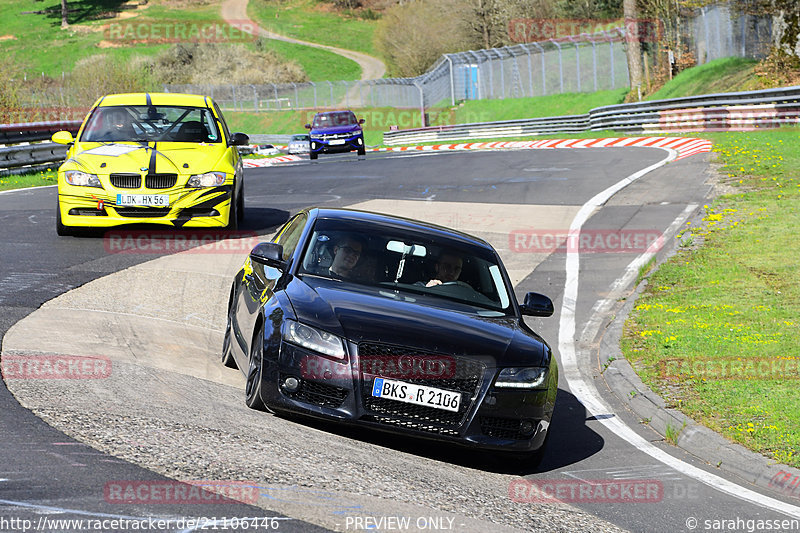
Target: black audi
[{"x": 392, "y": 323}]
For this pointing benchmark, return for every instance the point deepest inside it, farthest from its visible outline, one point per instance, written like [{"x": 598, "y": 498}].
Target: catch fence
[{"x": 584, "y": 63}]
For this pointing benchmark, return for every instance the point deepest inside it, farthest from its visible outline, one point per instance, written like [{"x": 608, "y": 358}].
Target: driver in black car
[
  {"x": 448, "y": 269},
  {"x": 346, "y": 254}
]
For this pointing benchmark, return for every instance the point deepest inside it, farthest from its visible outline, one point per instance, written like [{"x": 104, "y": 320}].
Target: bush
[
  {"x": 98, "y": 75},
  {"x": 412, "y": 36},
  {"x": 207, "y": 63},
  {"x": 9, "y": 82}
]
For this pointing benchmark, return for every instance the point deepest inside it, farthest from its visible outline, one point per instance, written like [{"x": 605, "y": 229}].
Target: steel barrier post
[{"x": 452, "y": 80}]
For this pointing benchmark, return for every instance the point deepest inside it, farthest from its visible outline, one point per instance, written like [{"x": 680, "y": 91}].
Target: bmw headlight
[
  {"x": 313, "y": 339},
  {"x": 521, "y": 378},
  {"x": 81, "y": 178},
  {"x": 209, "y": 179}
]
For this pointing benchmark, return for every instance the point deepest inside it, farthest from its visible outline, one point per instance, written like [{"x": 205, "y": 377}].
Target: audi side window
[{"x": 290, "y": 235}]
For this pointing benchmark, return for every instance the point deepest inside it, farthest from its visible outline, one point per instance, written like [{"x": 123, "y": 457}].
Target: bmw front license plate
[
  {"x": 143, "y": 200},
  {"x": 416, "y": 394}
]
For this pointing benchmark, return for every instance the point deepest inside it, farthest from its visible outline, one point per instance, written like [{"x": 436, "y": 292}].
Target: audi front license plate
[{"x": 416, "y": 394}]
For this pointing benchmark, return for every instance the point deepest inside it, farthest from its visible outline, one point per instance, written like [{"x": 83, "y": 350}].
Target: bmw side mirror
[
  {"x": 268, "y": 253},
  {"x": 240, "y": 139},
  {"x": 62, "y": 137},
  {"x": 537, "y": 305}
]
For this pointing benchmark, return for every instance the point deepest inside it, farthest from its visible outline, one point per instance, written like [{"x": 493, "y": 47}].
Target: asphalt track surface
[{"x": 45, "y": 473}]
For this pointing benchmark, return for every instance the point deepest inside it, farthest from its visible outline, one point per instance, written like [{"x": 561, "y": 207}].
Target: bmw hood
[
  {"x": 159, "y": 157},
  {"x": 369, "y": 314}
]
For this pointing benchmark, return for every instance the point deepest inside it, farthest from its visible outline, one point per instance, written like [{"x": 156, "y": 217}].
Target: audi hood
[{"x": 389, "y": 317}]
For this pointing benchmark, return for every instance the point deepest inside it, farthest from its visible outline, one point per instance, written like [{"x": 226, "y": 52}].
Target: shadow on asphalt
[
  {"x": 570, "y": 441},
  {"x": 263, "y": 219},
  {"x": 257, "y": 220}
]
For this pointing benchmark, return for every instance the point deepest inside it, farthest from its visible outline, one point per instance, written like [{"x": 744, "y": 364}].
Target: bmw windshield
[{"x": 151, "y": 123}]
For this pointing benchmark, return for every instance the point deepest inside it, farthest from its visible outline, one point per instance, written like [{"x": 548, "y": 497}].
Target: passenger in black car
[{"x": 346, "y": 254}]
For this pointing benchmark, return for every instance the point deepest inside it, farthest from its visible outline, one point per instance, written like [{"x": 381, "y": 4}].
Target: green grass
[
  {"x": 719, "y": 76},
  {"x": 540, "y": 106},
  {"x": 307, "y": 20},
  {"x": 734, "y": 299},
  {"x": 24, "y": 36},
  {"x": 36, "y": 179},
  {"x": 33, "y": 33},
  {"x": 319, "y": 64}
]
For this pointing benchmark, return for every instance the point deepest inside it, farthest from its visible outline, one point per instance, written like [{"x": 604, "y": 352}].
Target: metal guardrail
[
  {"x": 19, "y": 156},
  {"x": 35, "y": 131},
  {"x": 740, "y": 111},
  {"x": 482, "y": 130}
]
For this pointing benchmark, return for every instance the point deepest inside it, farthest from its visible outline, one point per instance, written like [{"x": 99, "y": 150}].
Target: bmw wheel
[
  {"x": 233, "y": 212},
  {"x": 240, "y": 207},
  {"x": 61, "y": 229}
]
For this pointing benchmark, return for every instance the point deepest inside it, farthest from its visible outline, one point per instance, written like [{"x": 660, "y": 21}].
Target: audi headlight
[
  {"x": 209, "y": 179},
  {"x": 521, "y": 378},
  {"x": 81, "y": 178},
  {"x": 313, "y": 339}
]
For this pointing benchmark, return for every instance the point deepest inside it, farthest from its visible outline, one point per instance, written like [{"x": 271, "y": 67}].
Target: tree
[
  {"x": 633, "y": 48},
  {"x": 786, "y": 33},
  {"x": 412, "y": 36},
  {"x": 64, "y": 21},
  {"x": 785, "y": 21},
  {"x": 489, "y": 20}
]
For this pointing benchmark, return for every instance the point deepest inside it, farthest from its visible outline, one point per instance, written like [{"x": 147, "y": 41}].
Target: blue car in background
[{"x": 334, "y": 132}]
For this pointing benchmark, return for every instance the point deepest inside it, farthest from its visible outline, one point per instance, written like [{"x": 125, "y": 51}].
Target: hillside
[{"x": 123, "y": 30}]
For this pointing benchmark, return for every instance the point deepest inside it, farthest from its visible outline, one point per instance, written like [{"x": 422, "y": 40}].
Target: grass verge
[
  {"x": 717, "y": 333},
  {"x": 718, "y": 76},
  {"x": 34, "y": 179}
]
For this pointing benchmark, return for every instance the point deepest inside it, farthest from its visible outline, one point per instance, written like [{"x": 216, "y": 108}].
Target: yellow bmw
[{"x": 153, "y": 158}]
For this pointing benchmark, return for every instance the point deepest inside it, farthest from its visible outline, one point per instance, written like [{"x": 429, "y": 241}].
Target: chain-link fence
[
  {"x": 584, "y": 63},
  {"x": 716, "y": 31}
]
